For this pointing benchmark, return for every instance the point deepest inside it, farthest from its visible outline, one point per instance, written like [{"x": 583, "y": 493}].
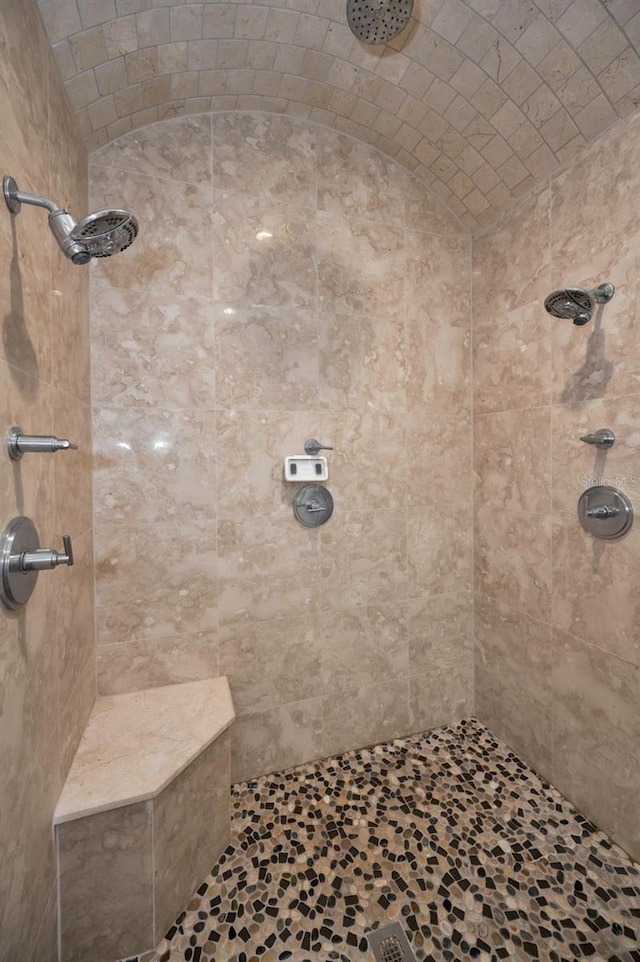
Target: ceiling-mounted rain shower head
[
  {"x": 101, "y": 234},
  {"x": 378, "y": 21},
  {"x": 575, "y": 304}
]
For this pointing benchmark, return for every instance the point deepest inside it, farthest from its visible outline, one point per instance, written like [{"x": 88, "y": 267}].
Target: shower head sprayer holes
[{"x": 378, "y": 21}]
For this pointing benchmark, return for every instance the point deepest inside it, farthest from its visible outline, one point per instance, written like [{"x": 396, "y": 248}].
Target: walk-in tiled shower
[{"x": 349, "y": 242}]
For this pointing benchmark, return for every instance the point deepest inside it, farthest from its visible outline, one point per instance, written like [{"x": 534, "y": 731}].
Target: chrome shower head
[
  {"x": 576, "y": 304},
  {"x": 106, "y": 232},
  {"x": 101, "y": 234},
  {"x": 378, "y": 21}
]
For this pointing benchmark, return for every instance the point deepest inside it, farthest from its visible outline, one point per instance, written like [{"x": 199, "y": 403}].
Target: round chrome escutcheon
[
  {"x": 313, "y": 505},
  {"x": 605, "y": 512},
  {"x": 16, "y": 586}
]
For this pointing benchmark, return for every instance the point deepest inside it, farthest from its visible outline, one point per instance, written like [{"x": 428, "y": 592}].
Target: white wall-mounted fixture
[{"x": 305, "y": 467}]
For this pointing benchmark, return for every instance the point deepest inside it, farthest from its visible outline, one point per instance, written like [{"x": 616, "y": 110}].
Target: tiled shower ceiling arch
[{"x": 481, "y": 98}]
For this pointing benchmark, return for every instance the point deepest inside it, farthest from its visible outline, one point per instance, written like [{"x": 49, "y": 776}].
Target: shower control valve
[
  {"x": 20, "y": 443},
  {"x": 605, "y": 512},
  {"x": 22, "y": 559}
]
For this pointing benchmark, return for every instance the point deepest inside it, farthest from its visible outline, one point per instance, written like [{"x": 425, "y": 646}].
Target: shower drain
[{"x": 390, "y": 944}]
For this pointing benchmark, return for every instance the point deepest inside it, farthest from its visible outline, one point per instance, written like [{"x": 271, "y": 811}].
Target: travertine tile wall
[
  {"x": 288, "y": 282},
  {"x": 558, "y": 613},
  {"x": 47, "y": 651}
]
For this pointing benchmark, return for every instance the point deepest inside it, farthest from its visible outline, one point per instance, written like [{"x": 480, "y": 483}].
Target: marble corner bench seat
[{"x": 143, "y": 816}]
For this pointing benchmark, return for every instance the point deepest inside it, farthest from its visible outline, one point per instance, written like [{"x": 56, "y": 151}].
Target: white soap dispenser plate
[{"x": 305, "y": 467}]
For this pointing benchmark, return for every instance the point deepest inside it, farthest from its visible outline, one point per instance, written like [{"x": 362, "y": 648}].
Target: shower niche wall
[{"x": 288, "y": 282}]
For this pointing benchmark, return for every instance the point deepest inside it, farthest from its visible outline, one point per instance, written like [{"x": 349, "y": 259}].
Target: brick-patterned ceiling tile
[
  {"x": 463, "y": 96},
  {"x": 93, "y": 12}
]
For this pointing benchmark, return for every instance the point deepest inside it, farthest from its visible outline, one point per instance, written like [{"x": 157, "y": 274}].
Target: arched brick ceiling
[{"x": 481, "y": 98}]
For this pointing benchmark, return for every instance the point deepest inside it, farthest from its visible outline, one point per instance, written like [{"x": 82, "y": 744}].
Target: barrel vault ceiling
[{"x": 481, "y": 98}]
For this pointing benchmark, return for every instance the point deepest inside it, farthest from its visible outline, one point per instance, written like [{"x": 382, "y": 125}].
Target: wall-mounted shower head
[
  {"x": 378, "y": 21},
  {"x": 101, "y": 234},
  {"x": 576, "y": 304}
]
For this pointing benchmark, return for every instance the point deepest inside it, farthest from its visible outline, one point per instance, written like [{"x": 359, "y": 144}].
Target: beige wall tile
[
  {"x": 596, "y": 736},
  {"x": 154, "y": 466},
  {"x": 268, "y": 572},
  {"x": 265, "y": 156},
  {"x": 88, "y": 48},
  {"x": 150, "y": 663},
  {"x": 271, "y": 663},
  {"x": 107, "y": 914},
  {"x": 364, "y": 716},
  {"x": 513, "y": 558},
  {"x": 276, "y": 739},
  {"x": 438, "y": 457},
  {"x": 161, "y": 600},
  {"x": 364, "y": 560},
  {"x": 191, "y": 828},
  {"x": 443, "y": 696},
  {"x": 439, "y": 549},
  {"x": 362, "y": 357},
  {"x": 514, "y": 657},
  {"x": 361, "y": 646},
  {"x": 266, "y": 358},
  {"x": 512, "y": 460},
  {"x": 264, "y": 252},
  {"x": 527, "y": 277},
  {"x": 511, "y": 356},
  {"x": 443, "y": 386},
  {"x": 120, "y": 36},
  {"x": 144, "y": 356},
  {"x": 440, "y": 630},
  {"x": 360, "y": 264},
  {"x": 438, "y": 289},
  {"x": 46, "y": 945}
]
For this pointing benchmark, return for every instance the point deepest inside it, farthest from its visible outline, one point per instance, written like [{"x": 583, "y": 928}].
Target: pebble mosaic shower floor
[{"x": 449, "y": 833}]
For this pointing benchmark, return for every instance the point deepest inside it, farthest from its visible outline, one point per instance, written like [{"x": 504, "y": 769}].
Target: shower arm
[
  {"x": 15, "y": 197},
  {"x": 35, "y": 199}
]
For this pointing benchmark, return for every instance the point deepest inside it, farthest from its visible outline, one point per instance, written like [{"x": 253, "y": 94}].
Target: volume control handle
[{"x": 20, "y": 443}]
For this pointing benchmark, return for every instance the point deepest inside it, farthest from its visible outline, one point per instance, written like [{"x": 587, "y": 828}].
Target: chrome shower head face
[
  {"x": 378, "y": 21},
  {"x": 570, "y": 303},
  {"x": 575, "y": 304},
  {"x": 106, "y": 232}
]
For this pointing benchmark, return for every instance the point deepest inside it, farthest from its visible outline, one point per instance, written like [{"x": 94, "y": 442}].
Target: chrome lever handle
[
  {"x": 44, "y": 558},
  {"x": 312, "y": 446},
  {"x": 603, "y": 511}
]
